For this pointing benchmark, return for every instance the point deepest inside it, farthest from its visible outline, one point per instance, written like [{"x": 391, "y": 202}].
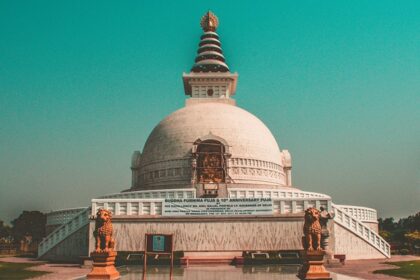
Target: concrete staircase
[
  {"x": 64, "y": 231},
  {"x": 356, "y": 226}
]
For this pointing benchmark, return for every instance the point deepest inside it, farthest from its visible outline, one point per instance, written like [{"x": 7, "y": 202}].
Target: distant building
[{"x": 212, "y": 174}]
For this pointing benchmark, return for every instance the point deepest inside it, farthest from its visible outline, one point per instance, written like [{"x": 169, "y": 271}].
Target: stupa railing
[
  {"x": 62, "y": 216},
  {"x": 154, "y": 207},
  {"x": 62, "y": 232},
  {"x": 364, "y": 214},
  {"x": 356, "y": 226},
  {"x": 165, "y": 193},
  {"x": 129, "y": 206},
  {"x": 285, "y": 200},
  {"x": 273, "y": 193}
]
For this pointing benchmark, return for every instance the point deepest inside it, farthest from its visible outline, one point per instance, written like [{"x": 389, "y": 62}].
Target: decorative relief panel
[
  {"x": 254, "y": 162},
  {"x": 181, "y": 169},
  {"x": 163, "y": 171}
]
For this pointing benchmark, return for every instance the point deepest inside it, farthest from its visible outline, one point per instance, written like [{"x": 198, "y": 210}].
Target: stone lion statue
[
  {"x": 312, "y": 229},
  {"x": 103, "y": 231}
]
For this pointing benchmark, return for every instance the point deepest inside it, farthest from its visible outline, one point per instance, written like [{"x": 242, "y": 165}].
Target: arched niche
[{"x": 209, "y": 158}]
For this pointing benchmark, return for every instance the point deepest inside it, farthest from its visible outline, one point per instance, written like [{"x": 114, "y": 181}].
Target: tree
[
  {"x": 386, "y": 224},
  {"x": 413, "y": 236},
  {"x": 5, "y": 231},
  {"x": 412, "y": 223},
  {"x": 29, "y": 223},
  {"x": 386, "y": 235},
  {"x": 405, "y": 233},
  {"x": 413, "y": 240}
]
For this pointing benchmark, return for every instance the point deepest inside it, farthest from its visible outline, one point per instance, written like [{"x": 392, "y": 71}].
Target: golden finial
[{"x": 209, "y": 22}]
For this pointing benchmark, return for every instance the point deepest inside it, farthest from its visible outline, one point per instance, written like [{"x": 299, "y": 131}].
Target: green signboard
[{"x": 158, "y": 243}]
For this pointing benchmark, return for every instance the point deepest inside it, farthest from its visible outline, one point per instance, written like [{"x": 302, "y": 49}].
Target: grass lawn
[
  {"x": 407, "y": 270},
  {"x": 18, "y": 271}
]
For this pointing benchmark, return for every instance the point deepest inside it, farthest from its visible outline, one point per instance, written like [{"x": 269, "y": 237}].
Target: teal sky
[{"x": 83, "y": 83}]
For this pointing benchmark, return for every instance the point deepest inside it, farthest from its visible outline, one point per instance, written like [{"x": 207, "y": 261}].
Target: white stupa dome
[
  {"x": 255, "y": 157},
  {"x": 246, "y": 135}
]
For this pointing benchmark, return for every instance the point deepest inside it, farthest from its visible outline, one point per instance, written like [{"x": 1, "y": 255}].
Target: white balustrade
[
  {"x": 273, "y": 193},
  {"x": 62, "y": 216},
  {"x": 298, "y": 205},
  {"x": 147, "y": 207},
  {"x": 168, "y": 193},
  {"x": 363, "y": 214},
  {"x": 356, "y": 226},
  {"x": 129, "y": 206},
  {"x": 62, "y": 232},
  {"x": 285, "y": 200}
]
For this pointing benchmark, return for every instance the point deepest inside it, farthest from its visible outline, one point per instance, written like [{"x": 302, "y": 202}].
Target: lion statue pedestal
[
  {"x": 103, "y": 266},
  {"x": 313, "y": 254},
  {"x": 104, "y": 255},
  {"x": 313, "y": 266}
]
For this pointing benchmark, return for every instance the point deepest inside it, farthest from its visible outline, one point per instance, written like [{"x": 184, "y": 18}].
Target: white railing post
[
  {"x": 317, "y": 204},
  {"x": 152, "y": 208},
  {"x": 117, "y": 209},
  {"x": 140, "y": 209},
  {"x": 282, "y": 211}
]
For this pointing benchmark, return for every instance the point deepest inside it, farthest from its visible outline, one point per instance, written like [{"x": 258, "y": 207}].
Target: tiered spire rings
[{"x": 209, "y": 55}]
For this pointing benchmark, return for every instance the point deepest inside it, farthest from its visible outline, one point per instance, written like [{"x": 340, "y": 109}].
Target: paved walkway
[
  {"x": 364, "y": 268},
  {"x": 58, "y": 271}
]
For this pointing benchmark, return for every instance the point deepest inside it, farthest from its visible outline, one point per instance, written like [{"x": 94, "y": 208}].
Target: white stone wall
[
  {"x": 71, "y": 248},
  {"x": 354, "y": 247},
  {"x": 222, "y": 234}
]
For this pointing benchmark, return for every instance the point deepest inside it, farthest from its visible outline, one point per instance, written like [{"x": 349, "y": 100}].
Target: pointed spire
[{"x": 210, "y": 55}]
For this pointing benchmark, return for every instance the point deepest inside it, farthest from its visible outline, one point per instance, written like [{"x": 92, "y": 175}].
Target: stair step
[{"x": 206, "y": 260}]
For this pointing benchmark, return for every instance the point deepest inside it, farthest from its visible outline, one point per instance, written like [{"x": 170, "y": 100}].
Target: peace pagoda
[{"x": 213, "y": 175}]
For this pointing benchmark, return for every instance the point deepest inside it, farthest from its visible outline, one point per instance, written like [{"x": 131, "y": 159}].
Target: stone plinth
[
  {"x": 103, "y": 266},
  {"x": 313, "y": 266},
  {"x": 205, "y": 233}
]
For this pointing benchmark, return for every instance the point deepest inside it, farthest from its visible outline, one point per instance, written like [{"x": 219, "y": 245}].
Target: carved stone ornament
[
  {"x": 103, "y": 231},
  {"x": 325, "y": 216},
  {"x": 312, "y": 230},
  {"x": 104, "y": 255},
  {"x": 313, "y": 256}
]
